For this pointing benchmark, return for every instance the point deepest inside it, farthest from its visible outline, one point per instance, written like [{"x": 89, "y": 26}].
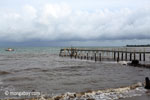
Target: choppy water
[{"x": 42, "y": 70}]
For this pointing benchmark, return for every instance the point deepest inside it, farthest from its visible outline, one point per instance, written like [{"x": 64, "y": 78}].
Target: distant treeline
[{"x": 148, "y": 45}]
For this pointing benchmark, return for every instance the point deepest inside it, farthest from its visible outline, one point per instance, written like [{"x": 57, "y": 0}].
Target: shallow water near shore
[{"x": 41, "y": 69}]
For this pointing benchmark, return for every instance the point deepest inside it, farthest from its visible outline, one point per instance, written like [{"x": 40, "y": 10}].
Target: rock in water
[{"x": 147, "y": 83}]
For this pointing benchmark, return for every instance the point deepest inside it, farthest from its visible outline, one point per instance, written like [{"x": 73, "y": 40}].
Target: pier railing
[{"x": 105, "y": 54}]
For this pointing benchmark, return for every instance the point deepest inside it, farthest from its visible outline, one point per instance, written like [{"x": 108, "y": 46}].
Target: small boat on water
[{"x": 9, "y": 49}]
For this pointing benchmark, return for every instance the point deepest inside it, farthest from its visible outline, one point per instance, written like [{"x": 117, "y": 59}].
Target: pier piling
[
  {"x": 130, "y": 56},
  {"x": 100, "y": 57},
  {"x": 140, "y": 56},
  {"x": 122, "y": 56},
  {"x": 134, "y": 56},
  {"x": 95, "y": 57},
  {"x": 87, "y": 56},
  {"x": 114, "y": 55},
  {"x": 126, "y": 56},
  {"x": 143, "y": 56},
  {"x": 118, "y": 55}
]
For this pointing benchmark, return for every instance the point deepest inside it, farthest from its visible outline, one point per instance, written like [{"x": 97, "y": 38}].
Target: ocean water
[{"x": 40, "y": 69}]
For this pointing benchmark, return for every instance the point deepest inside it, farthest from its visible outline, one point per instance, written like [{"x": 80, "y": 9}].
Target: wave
[
  {"x": 32, "y": 69},
  {"x": 106, "y": 94},
  {"x": 18, "y": 79},
  {"x": 4, "y": 72}
]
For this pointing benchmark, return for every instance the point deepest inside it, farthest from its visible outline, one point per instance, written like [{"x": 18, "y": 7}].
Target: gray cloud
[{"x": 58, "y": 22}]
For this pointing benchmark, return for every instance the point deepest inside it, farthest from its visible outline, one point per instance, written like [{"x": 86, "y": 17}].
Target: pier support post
[
  {"x": 140, "y": 57},
  {"x": 87, "y": 56},
  {"x": 81, "y": 57},
  {"x": 91, "y": 58},
  {"x": 78, "y": 54},
  {"x": 67, "y": 52},
  {"x": 126, "y": 56},
  {"x": 84, "y": 57},
  {"x": 114, "y": 55},
  {"x": 143, "y": 56},
  {"x": 71, "y": 53},
  {"x": 100, "y": 59},
  {"x": 134, "y": 56},
  {"x": 130, "y": 56},
  {"x": 71, "y": 56},
  {"x": 75, "y": 55},
  {"x": 118, "y": 56},
  {"x": 64, "y": 52},
  {"x": 95, "y": 57},
  {"x": 122, "y": 56}
]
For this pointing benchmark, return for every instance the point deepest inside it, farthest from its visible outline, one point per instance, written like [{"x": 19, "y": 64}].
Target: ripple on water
[
  {"x": 12, "y": 79},
  {"x": 31, "y": 69}
]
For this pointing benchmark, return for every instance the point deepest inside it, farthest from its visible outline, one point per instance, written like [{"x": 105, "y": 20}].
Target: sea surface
[{"x": 40, "y": 69}]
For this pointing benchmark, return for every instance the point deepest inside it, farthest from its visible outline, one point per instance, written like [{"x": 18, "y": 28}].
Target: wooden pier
[{"x": 104, "y": 54}]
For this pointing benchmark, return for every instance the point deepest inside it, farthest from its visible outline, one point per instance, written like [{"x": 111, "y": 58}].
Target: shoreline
[{"x": 122, "y": 93}]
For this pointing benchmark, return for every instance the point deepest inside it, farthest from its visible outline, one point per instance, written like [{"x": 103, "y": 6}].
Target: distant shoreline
[{"x": 148, "y": 45}]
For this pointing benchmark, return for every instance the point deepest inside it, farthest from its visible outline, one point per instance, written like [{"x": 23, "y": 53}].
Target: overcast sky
[{"x": 74, "y": 22}]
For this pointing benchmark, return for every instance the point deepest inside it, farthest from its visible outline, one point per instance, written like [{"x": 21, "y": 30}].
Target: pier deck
[{"x": 100, "y": 54}]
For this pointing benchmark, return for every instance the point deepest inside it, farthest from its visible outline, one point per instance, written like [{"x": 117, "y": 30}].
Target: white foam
[
  {"x": 108, "y": 94},
  {"x": 123, "y": 62}
]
